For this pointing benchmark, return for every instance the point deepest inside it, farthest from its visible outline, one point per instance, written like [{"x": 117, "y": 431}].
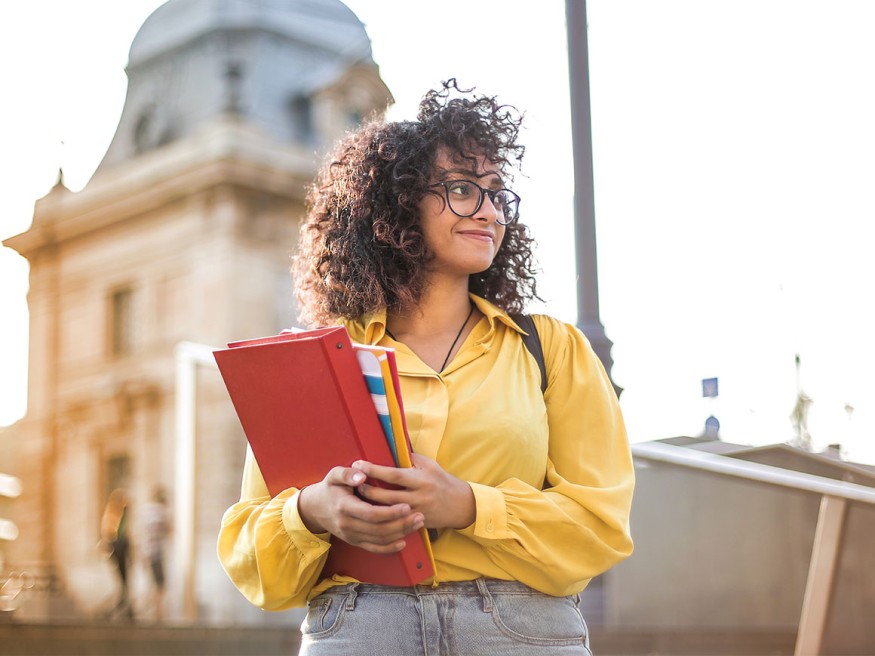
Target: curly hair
[{"x": 361, "y": 247}]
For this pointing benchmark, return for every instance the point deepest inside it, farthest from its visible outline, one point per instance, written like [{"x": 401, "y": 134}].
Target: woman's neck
[
  {"x": 442, "y": 307},
  {"x": 436, "y": 327}
]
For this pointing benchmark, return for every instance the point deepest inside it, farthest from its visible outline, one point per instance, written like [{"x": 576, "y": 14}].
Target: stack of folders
[{"x": 305, "y": 407}]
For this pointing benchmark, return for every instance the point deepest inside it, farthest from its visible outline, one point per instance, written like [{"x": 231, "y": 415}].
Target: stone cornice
[{"x": 225, "y": 152}]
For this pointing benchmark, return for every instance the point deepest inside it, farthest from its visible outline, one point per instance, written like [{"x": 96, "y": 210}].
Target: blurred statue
[{"x": 799, "y": 416}]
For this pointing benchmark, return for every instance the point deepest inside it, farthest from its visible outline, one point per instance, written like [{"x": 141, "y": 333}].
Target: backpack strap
[{"x": 533, "y": 344}]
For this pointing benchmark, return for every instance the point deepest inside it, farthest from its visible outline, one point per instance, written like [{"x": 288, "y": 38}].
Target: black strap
[{"x": 533, "y": 344}]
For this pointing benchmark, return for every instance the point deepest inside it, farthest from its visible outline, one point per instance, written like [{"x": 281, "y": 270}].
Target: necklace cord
[
  {"x": 459, "y": 334},
  {"x": 453, "y": 345}
]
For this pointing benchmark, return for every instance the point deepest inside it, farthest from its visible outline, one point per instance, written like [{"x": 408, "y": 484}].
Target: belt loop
[
  {"x": 350, "y": 600},
  {"x": 485, "y": 594}
]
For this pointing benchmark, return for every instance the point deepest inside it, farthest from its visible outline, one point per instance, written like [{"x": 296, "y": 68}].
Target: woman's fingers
[
  {"x": 445, "y": 500},
  {"x": 411, "y": 485},
  {"x": 401, "y": 476},
  {"x": 360, "y": 532},
  {"x": 382, "y": 548},
  {"x": 344, "y": 476},
  {"x": 382, "y": 517},
  {"x": 332, "y": 506}
]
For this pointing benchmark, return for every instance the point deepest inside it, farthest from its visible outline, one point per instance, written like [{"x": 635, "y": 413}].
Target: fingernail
[{"x": 358, "y": 477}]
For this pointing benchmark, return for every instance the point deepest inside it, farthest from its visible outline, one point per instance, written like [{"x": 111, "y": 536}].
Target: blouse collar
[{"x": 371, "y": 327}]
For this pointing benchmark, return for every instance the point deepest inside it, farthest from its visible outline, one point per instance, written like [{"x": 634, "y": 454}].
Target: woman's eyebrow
[{"x": 446, "y": 173}]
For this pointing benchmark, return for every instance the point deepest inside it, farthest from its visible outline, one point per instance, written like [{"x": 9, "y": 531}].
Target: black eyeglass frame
[{"x": 483, "y": 192}]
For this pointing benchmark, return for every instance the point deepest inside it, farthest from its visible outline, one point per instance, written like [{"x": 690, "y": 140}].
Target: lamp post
[{"x": 588, "y": 319}]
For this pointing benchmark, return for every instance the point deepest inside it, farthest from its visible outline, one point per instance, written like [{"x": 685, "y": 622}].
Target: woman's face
[{"x": 461, "y": 246}]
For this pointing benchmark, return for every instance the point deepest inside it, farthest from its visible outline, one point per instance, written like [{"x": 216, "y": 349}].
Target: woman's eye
[{"x": 459, "y": 188}]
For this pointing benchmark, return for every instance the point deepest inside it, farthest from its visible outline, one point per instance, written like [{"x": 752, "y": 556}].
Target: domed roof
[
  {"x": 266, "y": 62},
  {"x": 327, "y": 24}
]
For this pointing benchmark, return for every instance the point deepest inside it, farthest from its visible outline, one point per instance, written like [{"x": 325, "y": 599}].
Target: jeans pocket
[
  {"x": 323, "y": 615},
  {"x": 537, "y": 619}
]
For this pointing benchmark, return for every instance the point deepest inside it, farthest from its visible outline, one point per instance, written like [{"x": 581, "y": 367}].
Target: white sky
[{"x": 734, "y": 148}]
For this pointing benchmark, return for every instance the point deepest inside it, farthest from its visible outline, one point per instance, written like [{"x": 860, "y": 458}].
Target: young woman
[{"x": 412, "y": 241}]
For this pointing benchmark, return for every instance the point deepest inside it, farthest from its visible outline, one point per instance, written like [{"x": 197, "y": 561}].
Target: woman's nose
[{"x": 487, "y": 210}]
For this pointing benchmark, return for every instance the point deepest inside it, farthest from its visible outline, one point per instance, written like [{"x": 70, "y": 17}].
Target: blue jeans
[{"x": 466, "y": 618}]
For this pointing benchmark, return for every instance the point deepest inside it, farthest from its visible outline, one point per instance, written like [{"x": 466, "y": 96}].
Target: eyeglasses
[{"x": 465, "y": 198}]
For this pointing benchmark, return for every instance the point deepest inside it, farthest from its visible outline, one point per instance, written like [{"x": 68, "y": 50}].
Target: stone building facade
[{"x": 183, "y": 234}]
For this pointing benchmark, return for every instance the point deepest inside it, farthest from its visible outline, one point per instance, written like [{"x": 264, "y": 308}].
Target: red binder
[{"x": 304, "y": 406}]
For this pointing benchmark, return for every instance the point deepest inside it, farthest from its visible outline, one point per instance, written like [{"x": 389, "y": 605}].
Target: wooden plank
[{"x": 821, "y": 569}]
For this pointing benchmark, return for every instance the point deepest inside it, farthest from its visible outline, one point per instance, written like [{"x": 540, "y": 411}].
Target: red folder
[{"x": 304, "y": 406}]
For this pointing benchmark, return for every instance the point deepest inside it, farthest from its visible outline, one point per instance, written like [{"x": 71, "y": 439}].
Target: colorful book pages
[
  {"x": 402, "y": 448},
  {"x": 371, "y": 368},
  {"x": 396, "y": 409}
]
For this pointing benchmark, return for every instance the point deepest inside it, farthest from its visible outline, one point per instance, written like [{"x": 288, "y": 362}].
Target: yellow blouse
[{"x": 551, "y": 473}]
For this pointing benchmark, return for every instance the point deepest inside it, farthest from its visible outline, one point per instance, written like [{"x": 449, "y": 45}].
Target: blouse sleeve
[
  {"x": 264, "y": 547},
  {"x": 556, "y": 539}
]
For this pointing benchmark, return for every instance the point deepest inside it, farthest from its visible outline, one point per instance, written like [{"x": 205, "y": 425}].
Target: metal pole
[{"x": 588, "y": 319}]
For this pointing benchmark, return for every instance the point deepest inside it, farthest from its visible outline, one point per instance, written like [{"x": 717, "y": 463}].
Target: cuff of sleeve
[
  {"x": 300, "y": 535},
  {"x": 491, "y": 520}
]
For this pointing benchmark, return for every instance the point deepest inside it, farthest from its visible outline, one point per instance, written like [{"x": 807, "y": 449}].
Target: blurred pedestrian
[
  {"x": 115, "y": 536},
  {"x": 156, "y": 527}
]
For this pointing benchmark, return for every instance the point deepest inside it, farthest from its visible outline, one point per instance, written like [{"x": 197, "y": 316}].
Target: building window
[
  {"x": 121, "y": 328},
  {"x": 354, "y": 118},
  {"x": 301, "y": 111},
  {"x": 117, "y": 474}
]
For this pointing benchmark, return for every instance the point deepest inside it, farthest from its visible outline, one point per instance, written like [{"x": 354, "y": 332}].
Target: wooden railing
[{"x": 834, "y": 498}]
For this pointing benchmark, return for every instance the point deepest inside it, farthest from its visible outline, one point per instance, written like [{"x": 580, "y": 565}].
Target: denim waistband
[
  {"x": 477, "y": 587},
  {"x": 459, "y": 617}
]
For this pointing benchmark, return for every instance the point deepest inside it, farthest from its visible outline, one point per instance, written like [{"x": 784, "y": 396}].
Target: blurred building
[{"x": 183, "y": 234}]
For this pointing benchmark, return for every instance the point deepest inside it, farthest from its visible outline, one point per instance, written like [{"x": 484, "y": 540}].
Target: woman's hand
[
  {"x": 332, "y": 506},
  {"x": 444, "y": 500}
]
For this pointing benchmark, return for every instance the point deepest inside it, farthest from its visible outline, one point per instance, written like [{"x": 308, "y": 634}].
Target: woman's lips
[{"x": 481, "y": 235}]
